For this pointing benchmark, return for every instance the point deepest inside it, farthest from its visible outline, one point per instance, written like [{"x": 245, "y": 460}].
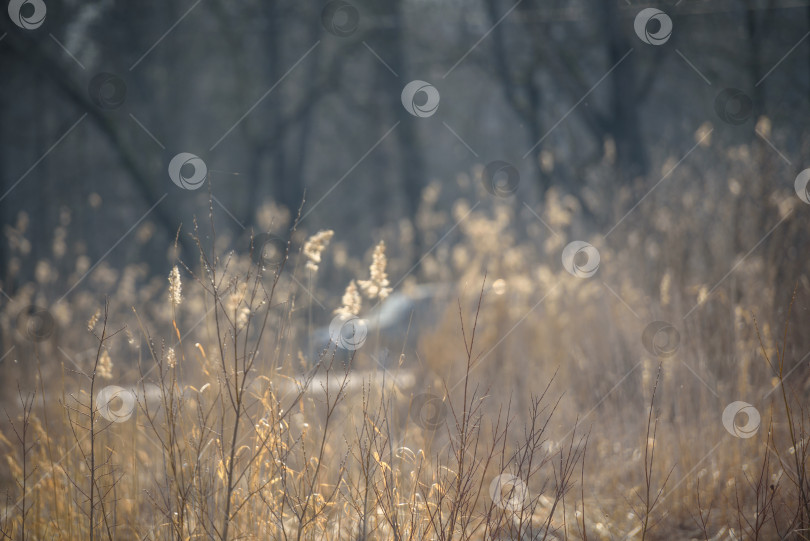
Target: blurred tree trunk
[
  {"x": 763, "y": 154},
  {"x": 521, "y": 88},
  {"x": 4, "y": 206},
  {"x": 295, "y": 180},
  {"x": 389, "y": 40},
  {"x": 624, "y": 122},
  {"x": 287, "y": 187}
]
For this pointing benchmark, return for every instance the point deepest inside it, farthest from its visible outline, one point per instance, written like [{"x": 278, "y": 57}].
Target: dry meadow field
[{"x": 604, "y": 337}]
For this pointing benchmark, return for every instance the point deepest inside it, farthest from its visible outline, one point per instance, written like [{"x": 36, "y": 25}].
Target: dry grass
[{"x": 532, "y": 411}]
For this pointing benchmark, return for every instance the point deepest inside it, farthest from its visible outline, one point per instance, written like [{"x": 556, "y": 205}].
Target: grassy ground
[{"x": 543, "y": 405}]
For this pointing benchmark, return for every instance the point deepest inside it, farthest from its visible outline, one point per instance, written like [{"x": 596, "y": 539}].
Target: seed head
[
  {"x": 377, "y": 284},
  {"x": 175, "y": 287},
  {"x": 91, "y": 323},
  {"x": 314, "y": 246},
  {"x": 352, "y": 301},
  {"x": 171, "y": 357},
  {"x": 104, "y": 368}
]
